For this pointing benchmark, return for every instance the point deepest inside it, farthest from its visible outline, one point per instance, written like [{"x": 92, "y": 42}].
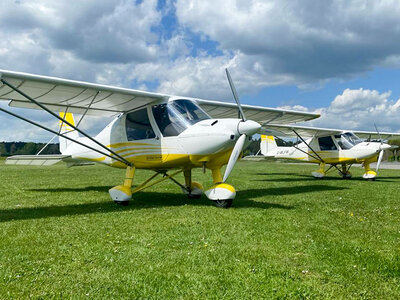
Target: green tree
[{"x": 3, "y": 150}]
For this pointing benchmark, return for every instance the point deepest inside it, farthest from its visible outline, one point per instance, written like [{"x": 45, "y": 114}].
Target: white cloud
[
  {"x": 359, "y": 100},
  {"x": 359, "y": 110},
  {"x": 305, "y": 41}
]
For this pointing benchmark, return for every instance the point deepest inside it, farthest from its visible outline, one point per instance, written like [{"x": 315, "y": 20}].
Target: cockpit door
[
  {"x": 144, "y": 145},
  {"x": 326, "y": 143}
]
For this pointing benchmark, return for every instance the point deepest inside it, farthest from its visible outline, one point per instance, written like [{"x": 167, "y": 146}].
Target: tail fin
[
  {"x": 267, "y": 145},
  {"x": 66, "y": 130}
]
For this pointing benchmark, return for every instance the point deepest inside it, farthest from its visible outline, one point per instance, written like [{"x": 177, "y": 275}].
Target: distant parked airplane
[{"x": 335, "y": 147}]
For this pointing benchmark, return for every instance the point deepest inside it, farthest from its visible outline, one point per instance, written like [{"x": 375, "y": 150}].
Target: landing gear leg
[
  {"x": 121, "y": 194},
  {"x": 222, "y": 194},
  {"x": 369, "y": 174},
  {"x": 345, "y": 173},
  {"x": 320, "y": 173},
  {"x": 193, "y": 189}
]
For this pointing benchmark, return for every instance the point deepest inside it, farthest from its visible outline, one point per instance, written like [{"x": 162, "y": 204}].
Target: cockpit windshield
[
  {"x": 347, "y": 140},
  {"x": 175, "y": 116}
]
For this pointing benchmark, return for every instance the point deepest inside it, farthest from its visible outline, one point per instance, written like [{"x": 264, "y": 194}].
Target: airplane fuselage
[
  {"x": 208, "y": 142},
  {"x": 357, "y": 154}
]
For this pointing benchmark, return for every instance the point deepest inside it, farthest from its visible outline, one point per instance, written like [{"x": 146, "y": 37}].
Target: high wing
[
  {"x": 373, "y": 135},
  {"x": 58, "y": 94},
  {"x": 305, "y": 131},
  {"x": 263, "y": 115}
]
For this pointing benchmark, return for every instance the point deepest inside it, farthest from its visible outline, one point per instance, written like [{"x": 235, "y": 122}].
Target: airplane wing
[
  {"x": 373, "y": 135},
  {"x": 263, "y": 115},
  {"x": 305, "y": 131},
  {"x": 57, "y": 94}
]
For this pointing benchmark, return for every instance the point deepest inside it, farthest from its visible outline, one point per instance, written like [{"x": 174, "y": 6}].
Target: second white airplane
[{"x": 335, "y": 147}]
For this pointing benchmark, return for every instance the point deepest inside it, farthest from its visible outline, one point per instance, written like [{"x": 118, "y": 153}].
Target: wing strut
[
  {"x": 320, "y": 158},
  {"x": 56, "y": 133},
  {"x": 307, "y": 153},
  {"x": 309, "y": 147},
  {"x": 120, "y": 158},
  {"x": 48, "y": 143}
]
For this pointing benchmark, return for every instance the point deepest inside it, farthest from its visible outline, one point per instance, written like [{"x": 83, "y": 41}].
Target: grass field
[{"x": 286, "y": 236}]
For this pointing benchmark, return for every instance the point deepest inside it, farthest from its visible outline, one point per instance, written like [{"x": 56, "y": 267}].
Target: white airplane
[
  {"x": 153, "y": 131},
  {"x": 335, "y": 147}
]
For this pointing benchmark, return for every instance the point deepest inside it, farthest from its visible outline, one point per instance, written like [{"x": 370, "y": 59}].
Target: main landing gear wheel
[
  {"x": 346, "y": 175},
  {"x": 121, "y": 194},
  {"x": 195, "y": 191},
  {"x": 223, "y": 203}
]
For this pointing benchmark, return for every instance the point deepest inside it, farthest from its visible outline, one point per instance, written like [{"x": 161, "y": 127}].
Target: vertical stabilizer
[
  {"x": 67, "y": 130},
  {"x": 267, "y": 145}
]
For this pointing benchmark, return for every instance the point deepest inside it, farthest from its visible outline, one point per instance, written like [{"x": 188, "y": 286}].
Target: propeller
[
  {"x": 381, "y": 151},
  {"x": 234, "y": 156},
  {"x": 382, "y": 148},
  {"x": 235, "y": 95},
  {"x": 379, "y": 161},
  {"x": 245, "y": 127},
  {"x": 377, "y": 131}
]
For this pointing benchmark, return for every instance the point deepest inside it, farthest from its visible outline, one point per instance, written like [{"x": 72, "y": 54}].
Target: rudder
[{"x": 267, "y": 144}]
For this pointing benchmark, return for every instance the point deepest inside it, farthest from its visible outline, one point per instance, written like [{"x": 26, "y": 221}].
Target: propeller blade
[
  {"x": 235, "y": 94},
  {"x": 380, "y": 138},
  {"x": 379, "y": 161},
  {"x": 234, "y": 156}
]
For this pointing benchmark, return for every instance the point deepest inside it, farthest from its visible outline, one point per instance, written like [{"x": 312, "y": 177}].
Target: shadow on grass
[
  {"x": 147, "y": 200},
  {"x": 257, "y": 193}
]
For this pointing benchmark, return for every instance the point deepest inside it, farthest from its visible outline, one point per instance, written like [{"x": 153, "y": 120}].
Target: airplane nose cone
[
  {"x": 384, "y": 147},
  {"x": 248, "y": 127}
]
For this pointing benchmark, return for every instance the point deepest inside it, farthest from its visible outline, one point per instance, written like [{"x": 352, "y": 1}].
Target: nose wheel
[{"x": 223, "y": 203}]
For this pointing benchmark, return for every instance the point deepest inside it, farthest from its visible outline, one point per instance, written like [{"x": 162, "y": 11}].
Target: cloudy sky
[{"x": 338, "y": 57}]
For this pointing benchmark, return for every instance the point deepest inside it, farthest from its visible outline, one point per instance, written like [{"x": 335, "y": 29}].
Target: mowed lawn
[{"x": 286, "y": 236}]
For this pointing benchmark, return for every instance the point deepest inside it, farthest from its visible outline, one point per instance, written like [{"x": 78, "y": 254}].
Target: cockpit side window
[
  {"x": 348, "y": 140},
  {"x": 175, "y": 116},
  {"x": 167, "y": 120},
  {"x": 138, "y": 125},
  {"x": 326, "y": 143}
]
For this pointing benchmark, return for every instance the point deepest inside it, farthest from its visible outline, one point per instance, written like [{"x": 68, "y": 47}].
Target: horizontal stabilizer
[{"x": 36, "y": 160}]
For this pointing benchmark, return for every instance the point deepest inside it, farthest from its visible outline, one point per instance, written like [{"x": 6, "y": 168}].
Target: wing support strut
[
  {"x": 117, "y": 156},
  {"x": 56, "y": 133},
  {"x": 319, "y": 157},
  {"x": 307, "y": 153},
  {"x": 309, "y": 147},
  {"x": 59, "y": 131}
]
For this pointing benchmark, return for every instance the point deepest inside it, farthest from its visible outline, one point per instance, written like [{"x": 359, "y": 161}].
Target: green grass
[{"x": 286, "y": 236}]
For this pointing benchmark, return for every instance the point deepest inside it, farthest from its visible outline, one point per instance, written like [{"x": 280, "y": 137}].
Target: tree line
[{"x": 23, "y": 148}]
